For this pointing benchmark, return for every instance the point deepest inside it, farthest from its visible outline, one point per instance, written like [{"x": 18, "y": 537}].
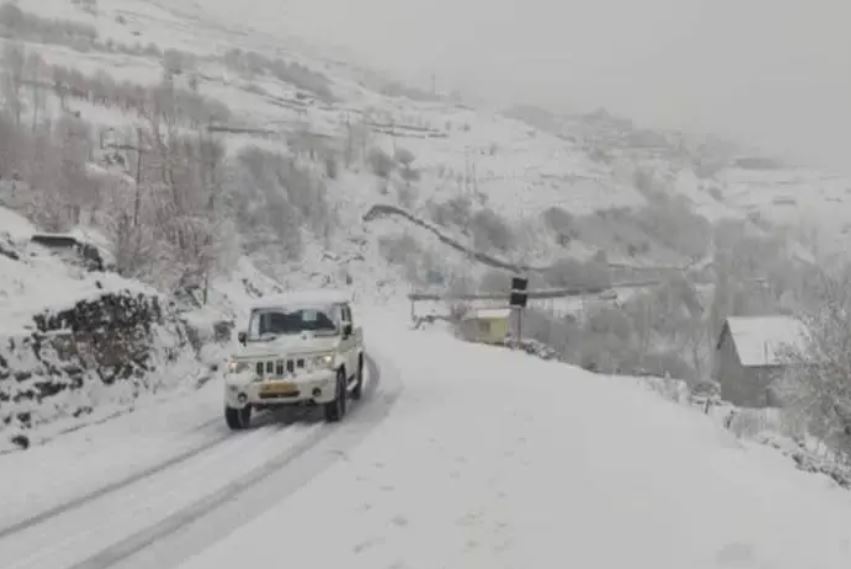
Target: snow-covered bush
[
  {"x": 89, "y": 6},
  {"x": 562, "y": 224},
  {"x": 561, "y": 334},
  {"x": 671, "y": 221},
  {"x": 490, "y": 231},
  {"x": 404, "y": 157},
  {"x": 176, "y": 62},
  {"x": 399, "y": 250},
  {"x": 456, "y": 212},
  {"x": 817, "y": 387},
  {"x": 251, "y": 63},
  {"x": 407, "y": 196},
  {"x": 17, "y": 24},
  {"x": 572, "y": 273},
  {"x": 380, "y": 163},
  {"x": 609, "y": 321}
]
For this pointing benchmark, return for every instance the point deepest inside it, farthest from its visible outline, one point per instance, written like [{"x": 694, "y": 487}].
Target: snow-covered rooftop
[
  {"x": 320, "y": 297},
  {"x": 488, "y": 313},
  {"x": 765, "y": 340}
]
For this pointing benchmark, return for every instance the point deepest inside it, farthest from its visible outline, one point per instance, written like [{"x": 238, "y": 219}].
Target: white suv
[{"x": 300, "y": 348}]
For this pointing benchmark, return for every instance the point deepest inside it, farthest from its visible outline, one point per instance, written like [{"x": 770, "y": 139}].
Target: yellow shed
[{"x": 487, "y": 325}]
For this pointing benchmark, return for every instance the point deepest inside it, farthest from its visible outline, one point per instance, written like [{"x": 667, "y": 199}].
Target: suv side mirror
[
  {"x": 243, "y": 337},
  {"x": 347, "y": 329}
]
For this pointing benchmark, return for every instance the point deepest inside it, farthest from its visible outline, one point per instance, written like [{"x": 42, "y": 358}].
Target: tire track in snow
[
  {"x": 81, "y": 501},
  {"x": 171, "y": 526}
]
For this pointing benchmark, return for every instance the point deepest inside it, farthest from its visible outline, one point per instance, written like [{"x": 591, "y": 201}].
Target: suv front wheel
[
  {"x": 238, "y": 419},
  {"x": 335, "y": 410},
  {"x": 357, "y": 390}
]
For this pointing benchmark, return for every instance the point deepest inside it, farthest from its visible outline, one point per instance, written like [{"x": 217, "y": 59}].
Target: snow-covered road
[
  {"x": 487, "y": 458},
  {"x": 99, "y": 496},
  {"x": 491, "y": 459}
]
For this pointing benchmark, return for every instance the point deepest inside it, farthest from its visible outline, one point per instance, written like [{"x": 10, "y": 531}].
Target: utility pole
[
  {"x": 138, "y": 201},
  {"x": 518, "y": 300}
]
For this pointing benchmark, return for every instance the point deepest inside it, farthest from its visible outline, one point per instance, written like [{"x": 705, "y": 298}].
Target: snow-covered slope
[
  {"x": 505, "y": 162},
  {"x": 75, "y": 345}
]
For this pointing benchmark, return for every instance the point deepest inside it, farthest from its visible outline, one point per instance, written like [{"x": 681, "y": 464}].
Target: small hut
[
  {"x": 751, "y": 354},
  {"x": 486, "y": 325}
]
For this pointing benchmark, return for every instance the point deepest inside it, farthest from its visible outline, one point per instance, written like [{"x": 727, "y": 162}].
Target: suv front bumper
[{"x": 317, "y": 387}]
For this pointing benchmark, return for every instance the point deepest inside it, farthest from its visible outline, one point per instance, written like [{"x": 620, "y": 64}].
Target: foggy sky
[{"x": 772, "y": 72}]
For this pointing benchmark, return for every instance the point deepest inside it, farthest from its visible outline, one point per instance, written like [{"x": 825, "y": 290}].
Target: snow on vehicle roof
[
  {"x": 321, "y": 297},
  {"x": 762, "y": 340}
]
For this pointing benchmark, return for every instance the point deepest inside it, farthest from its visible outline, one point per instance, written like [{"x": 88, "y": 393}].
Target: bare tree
[
  {"x": 818, "y": 385},
  {"x": 161, "y": 115},
  {"x": 13, "y": 80},
  {"x": 36, "y": 76}
]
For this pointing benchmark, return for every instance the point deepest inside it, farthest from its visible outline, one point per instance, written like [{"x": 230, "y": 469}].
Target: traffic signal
[{"x": 519, "y": 297}]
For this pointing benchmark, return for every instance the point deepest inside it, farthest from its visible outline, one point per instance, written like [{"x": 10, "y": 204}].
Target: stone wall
[{"x": 106, "y": 349}]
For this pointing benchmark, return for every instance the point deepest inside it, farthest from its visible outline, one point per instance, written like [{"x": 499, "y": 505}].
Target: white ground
[{"x": 487, "y": 459}]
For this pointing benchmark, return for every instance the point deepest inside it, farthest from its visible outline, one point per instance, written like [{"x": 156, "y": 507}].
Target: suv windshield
[{"x": 268, "y": 323}]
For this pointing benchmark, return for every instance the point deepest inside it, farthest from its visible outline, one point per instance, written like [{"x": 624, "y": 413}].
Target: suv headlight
[
  {"x": 323, "y": 361},
  {"x": 235, "y": 366}
]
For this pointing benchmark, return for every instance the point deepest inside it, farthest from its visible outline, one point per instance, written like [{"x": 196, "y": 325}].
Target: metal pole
[{"x": 520, "y": 328}]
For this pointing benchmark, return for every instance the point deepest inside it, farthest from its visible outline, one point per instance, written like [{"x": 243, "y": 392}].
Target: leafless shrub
[
  {"x": 395, "y": 89},
  {"x": 17, "y": 24},
  {"x": 572, "y": 273},
  {"x": 176, "y": 62},
  {"x": 490, "y": 231},
  {"x": 610, "y": 321},
  {"x": 410, "y": 175},
  {"x": 288, "y": 197},
  {"x": 817, "y": 387},
  {"x": 560, "y": 221},
  {"x": 398, "y": 249},
  {"x": 14, "y": 59},
  {"x": 456, "y": 212},
  {"x": 251, "y": 64},
  {"x": 716, "y": 194},
  {"x": 672, "y": 222},
  {"x": 89, "y": 6},
  {"x": 381, "y": 163},
  {"x": 407, "y": 196},
  {"x": 404, "y": 157},
  {"x": 332, "y": 166}
]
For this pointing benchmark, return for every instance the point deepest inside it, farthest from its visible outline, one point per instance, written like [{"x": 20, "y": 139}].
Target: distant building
[
  {"x": 751, "y": 354},
  {"x": 486, "y": 325}
]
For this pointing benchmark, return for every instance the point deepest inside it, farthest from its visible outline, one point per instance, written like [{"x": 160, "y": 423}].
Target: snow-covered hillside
[{"x": 510, "y": 163}]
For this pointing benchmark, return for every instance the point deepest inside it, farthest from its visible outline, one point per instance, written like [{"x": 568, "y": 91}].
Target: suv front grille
[{"x": 277, "y": 368}]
